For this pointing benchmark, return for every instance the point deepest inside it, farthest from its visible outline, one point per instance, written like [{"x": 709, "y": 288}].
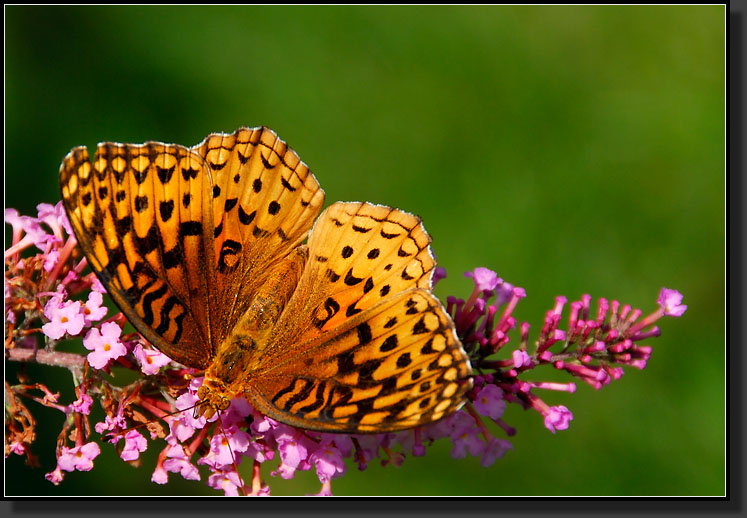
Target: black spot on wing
[
  {"x": 286, "y": 184},
  {"x": 140, "y": 176},
  {"x": 166, "y": 208},
  {"x": 350, "y": 279},
  {"x": 245, "y": 218},
  {"x": 190, "y": 228},
  {"x": 230, "y": 204},
  {"x": 173, "y": 257},
  {"x": 188, "y": 173},
  {"x": 141, "y": 203},
  {"x": 164, "y": 174},
  {"x": 419, "y": 327},
  {"x": 389, "y": 344},
  {"x": 364, "y": 333},
  {"x": 404, "y": 360}
]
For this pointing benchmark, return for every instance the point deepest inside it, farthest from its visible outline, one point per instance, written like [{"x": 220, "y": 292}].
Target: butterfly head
[{"x": 213, "y": 398}]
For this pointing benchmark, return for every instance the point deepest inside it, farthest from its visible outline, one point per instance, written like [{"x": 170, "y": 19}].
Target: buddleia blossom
[
  {"x": 104, "y": 345},
  {"x": 49, "y": 298}
]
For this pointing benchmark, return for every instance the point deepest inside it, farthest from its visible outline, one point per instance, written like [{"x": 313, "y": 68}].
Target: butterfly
[{"x": 203, "y": 250}]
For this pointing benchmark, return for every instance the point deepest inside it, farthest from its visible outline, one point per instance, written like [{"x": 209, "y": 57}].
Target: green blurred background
[{"x": 571, "y": 149}]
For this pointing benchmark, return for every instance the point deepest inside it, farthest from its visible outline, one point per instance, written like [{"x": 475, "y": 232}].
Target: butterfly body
[
  {"x": 202, "y": 249},
  {"x": 238, "y": 359}
]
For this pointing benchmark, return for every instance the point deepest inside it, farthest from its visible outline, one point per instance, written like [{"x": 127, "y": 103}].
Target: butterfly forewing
[
  {"x": 140, "y": 215},
  {"x": 264, "y": 202}
]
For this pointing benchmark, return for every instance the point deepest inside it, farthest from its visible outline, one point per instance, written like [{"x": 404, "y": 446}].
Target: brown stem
[{"x": 70, "y": 361}]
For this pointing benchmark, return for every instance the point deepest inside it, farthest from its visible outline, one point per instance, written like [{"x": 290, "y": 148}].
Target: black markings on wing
[
  {"x": 356, "y": 266},
  {"x": 264, "y": 202},
  {"x": 379, "y": 372},
  {"x": 147, "y": 242}
]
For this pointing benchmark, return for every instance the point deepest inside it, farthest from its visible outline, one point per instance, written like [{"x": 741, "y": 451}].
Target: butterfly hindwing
[
  {"x": 396, "y": 365},
  {"x": 359, "y": 254},
  {"x": 363, "y": 345},
  {"x": 141, "y": 215}
]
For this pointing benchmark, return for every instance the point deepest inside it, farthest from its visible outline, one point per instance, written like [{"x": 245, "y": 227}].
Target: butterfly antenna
[
  {"x": 109, "y": 435},
  {"x": 233, "y": 457}
]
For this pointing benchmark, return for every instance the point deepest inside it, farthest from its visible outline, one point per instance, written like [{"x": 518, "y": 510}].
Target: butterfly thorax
[{"x": 238, "y": 357}]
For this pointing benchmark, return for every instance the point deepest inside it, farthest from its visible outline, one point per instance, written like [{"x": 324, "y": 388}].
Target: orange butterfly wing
[{"x": 363, "y": 345}]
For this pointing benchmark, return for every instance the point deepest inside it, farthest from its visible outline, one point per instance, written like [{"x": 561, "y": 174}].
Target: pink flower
[
  {"x": 489, "y": 402},
  {"x": 111, "y": 423},
  {"x": 55, "y": 218},
  {"x": 328, "y": 462},
  {"x": 179, "y": 463},
  {"x": 56, "y": 476},
  {"x": 224, "y": 447},
  {"x": 82, "y": 404},
  {"x": 228, "y": 481},
  {"x": 150, "y": 360},
  {"x": 160, "y": 475},
  {"x": 291, "y": 449},
  {"x": 50, "y": 259},
  {"x": 521, "y": 359},
  {"x": 670, "y": 302},
  {"x": 438, "y": 274},
  {"x": 494, "y": 449},
  {"x": 468, "y": 440},
  {"x": 485, "y": 279},
  {"x": 65, "y": 317},
  {"x": 104, "y": 345},
  {"x": 135, "y": 444},
  {"x": 79, "y": 458},
  {"x": 97, "y": 286},
  {"x": 93, "y": 309},
  {"x": 17, "y": 448},
  {"x": 558, "y": 418}
]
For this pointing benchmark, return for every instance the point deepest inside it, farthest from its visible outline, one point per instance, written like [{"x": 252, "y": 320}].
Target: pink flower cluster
[
  {"x": 593, "y": 347},
  {"x": 47, "y": 294}
]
